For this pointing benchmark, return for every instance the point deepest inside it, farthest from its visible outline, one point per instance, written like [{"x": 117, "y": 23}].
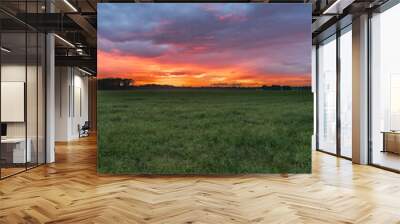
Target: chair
[{"x": 84, "y": 130}]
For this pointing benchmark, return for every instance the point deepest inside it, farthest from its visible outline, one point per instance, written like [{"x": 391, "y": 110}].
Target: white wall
[
  {"x": 71, "y": 87},
  {"x": 62, "y": 83},
  {"x": 13, "y": 101},
  {"x": 80, "y": 111},
  {"x": 13, "y": 72}
]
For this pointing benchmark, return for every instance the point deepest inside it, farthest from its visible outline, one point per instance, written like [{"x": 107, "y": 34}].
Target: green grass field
[{"x": 204, "y": 131}]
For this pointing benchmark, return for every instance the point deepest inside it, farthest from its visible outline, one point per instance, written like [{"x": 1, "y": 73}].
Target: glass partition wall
[
  {"x": 345, "y": 91},
  {"x": 13, "y": 90},
  {"x": 22, "y": 98},
  {"x": 334, "y": 83},
  {"x": 327, "y": 95},
  {"x": 385, "y": 89}
]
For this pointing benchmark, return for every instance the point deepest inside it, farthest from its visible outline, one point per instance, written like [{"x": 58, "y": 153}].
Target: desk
[
  {"x": 17, "y": 152},
  {"x": 391, "y": 141}
]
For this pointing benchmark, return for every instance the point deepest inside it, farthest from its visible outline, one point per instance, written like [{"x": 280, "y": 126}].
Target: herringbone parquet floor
[{"x": 70, "y": 191}]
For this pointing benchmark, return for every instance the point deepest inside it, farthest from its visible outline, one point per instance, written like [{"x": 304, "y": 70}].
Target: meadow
[{"x": 204, "y": 131}]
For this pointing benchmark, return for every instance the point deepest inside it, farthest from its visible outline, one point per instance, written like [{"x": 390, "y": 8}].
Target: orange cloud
[{"x": 153, "y": 71}]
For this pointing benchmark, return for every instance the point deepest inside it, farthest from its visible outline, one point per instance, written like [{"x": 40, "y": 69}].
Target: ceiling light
[
  {"x": 5, "y": 50},
  {"x": 65, "y": 41},
  {"x": 79, "y": 51},
  {"x": 338, "y": 6},
  {"x": 86, "y": 72},
  {"x": 70, "y": 5}
]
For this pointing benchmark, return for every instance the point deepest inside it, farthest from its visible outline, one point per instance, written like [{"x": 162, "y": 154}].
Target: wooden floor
[
  {"x": 5, "y": 172},
  {"x": 70, "y": 191},
  {"x": 387, "y": 159}
]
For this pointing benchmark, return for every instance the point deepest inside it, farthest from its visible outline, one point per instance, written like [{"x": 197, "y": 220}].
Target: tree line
[
  {"x": 120, "y": 84},
  {"x": 114, "y": 83}
]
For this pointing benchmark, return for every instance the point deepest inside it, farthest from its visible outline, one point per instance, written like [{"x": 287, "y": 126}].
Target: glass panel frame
[
  {"x": 326, "y": 101},
  {"x": 13, "y": 74},
  {"x": 335, "y": 106},
  {"x": 345, "y": 93},
  {"x": 384, "y": 147},
  {"x": 26, "y": 57}
]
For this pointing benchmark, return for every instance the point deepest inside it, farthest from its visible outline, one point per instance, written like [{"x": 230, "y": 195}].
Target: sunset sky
[{"x": 205, "y": 44}]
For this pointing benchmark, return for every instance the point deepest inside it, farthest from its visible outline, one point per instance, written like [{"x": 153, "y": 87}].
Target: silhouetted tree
[
  {"x": 276, "y": 87},
  {"x": 286, "y": 88},
  {"x": 114, "y": 83}
]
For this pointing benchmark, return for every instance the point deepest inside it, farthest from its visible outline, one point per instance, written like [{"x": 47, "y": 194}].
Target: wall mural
[{"x": 204, "y": 88}]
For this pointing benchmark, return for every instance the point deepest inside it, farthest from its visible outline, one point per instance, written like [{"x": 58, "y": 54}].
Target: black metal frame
[
  {"x": 338, "y": 153},
  {"x": 0, "y": 88},
  {"x": 316, "y": 97},
  {"x": 369, "y": 98},
  {"x": 44, "y": 80},
  {"x": 389, "y": 4},
  {"x": 338, "y": 98}
]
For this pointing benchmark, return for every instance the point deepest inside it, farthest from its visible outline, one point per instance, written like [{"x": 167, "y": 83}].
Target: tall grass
[{"x": 204, "y": 131}]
